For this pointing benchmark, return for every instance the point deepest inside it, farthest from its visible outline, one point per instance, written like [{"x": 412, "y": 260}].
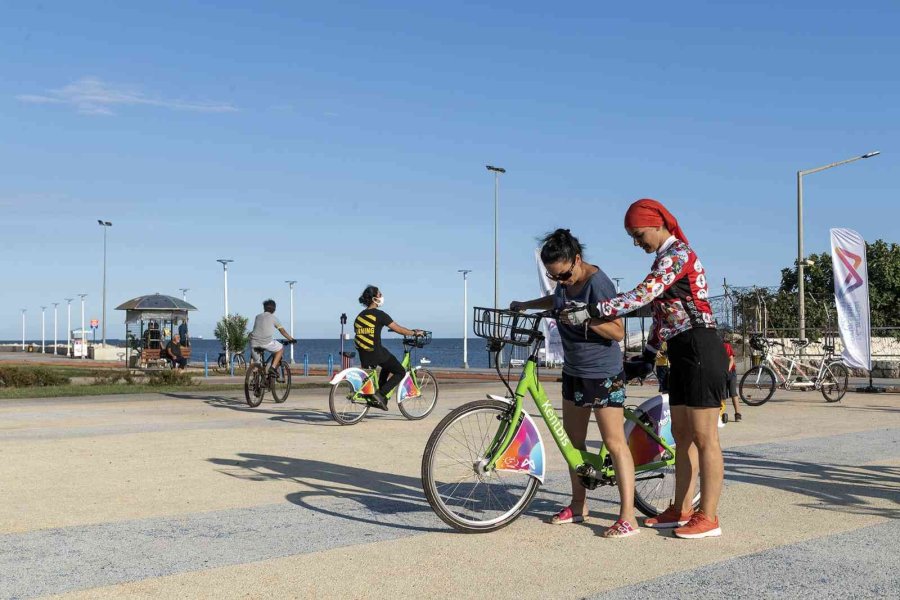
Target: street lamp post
[
  {"x": 43, "y": 331},
  {"x": 55, "y": 349},
  {"x": 800, "y": 261},
  {"x": 105, "y": 225},
  {"x": 497, "y": 171},
  {"x": 69, "y": 326},
  {"x": 465, "y": 274},
  {"x": 83, "y": 336},
  {"x": 184, "y": 292},
  {"x": 23, "y": 327},
  {"x": 225, "y": 262},
  {"x": 291, "y": 285}
]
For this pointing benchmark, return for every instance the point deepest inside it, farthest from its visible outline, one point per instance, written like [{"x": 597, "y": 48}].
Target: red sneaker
[
  {"x": 700, "y": 526},
  {"x": 669, "y": 518}
]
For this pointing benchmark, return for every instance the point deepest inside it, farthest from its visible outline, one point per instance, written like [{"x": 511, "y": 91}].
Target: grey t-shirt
[
  {"x": 264, "y": 328},
  {"x": 594, "y": 356}
]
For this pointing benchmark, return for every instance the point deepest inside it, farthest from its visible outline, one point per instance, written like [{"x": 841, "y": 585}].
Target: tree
[
  {"x": 884, "y": 285},
  {"x": 233, "y": 328}
]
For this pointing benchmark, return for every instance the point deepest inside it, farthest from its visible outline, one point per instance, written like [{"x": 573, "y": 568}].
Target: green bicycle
[
  {"x": 416, "y": 394},
  {"x": 485, "y": 460}
]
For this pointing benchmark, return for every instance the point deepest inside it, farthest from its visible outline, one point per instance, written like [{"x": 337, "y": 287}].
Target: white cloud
[{"x": 91, "y": 96}]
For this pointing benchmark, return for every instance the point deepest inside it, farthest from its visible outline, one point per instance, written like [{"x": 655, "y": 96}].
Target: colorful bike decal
[
  {"x": 645, "y": 449},
  {"x": 358, "y": 378},
  {"x": 407, "y": 389},
  {"x": 525, "y": 452}
]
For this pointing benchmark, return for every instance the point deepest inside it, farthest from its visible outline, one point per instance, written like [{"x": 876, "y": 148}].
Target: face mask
[{"x": 379, "y": 301}]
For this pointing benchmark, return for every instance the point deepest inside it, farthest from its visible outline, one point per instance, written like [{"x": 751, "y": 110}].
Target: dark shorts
[
  {"x": 697, "y": 368},
  {"x": 731, "y": 384},
  {"x": 594, "y": 393}
]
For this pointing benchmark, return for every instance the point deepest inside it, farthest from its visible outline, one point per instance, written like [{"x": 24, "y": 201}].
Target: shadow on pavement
[{"x": 835, "y": 488}]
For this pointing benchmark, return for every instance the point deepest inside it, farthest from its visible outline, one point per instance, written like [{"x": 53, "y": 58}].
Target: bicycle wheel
[
  {"x": 220, "y": 364},
  {"x": 281, "y": 385},
  {"x": 757, "y": 385},
  {"x": 653, "y": 489},
  {"x": 254, "y": 385},
  {"x": 834, "y": 381},
  {"x": 463, "y": 496},
  {"x": 422, "y": 405},
  {"x": 345, "y": 407},
  {"x": 239, "y": 362}
]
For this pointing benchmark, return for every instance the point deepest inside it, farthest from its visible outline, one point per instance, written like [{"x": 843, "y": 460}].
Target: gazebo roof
[{"x": 155, "y": 303}]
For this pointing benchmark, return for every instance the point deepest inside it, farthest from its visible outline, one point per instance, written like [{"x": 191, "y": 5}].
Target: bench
[{"x": 154, "y": 357}]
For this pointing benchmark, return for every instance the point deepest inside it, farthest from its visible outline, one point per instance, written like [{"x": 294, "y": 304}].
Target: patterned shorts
[{"x": 594, "y": 393}]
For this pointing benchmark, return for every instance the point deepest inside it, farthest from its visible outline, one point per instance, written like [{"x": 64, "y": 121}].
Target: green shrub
[
  {"x": 31, "y": 377},
  {"x": 113, "y": 377},
  {"x": 169, "y": 377}
]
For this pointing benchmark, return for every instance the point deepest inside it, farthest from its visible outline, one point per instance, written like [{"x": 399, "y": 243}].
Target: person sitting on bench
[{"x": 173, "y": 352}]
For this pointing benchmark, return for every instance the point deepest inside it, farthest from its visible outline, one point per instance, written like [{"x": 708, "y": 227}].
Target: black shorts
[
  {"x": 594, "y": 393},
  {"x": 697, "y": 369},
  {"x": 731, "y": 383}
]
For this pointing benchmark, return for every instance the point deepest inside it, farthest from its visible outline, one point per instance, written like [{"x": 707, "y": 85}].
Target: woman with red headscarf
[{"x": 677, "y": 291}]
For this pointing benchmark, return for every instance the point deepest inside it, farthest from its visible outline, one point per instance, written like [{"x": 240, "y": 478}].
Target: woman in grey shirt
[{"x": 592, "y": 373}]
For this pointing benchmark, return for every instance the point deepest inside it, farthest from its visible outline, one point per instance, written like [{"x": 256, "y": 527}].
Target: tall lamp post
[
  {"x": 800, "y": 261},
  {"x": 69, "y": 326},
  {"x": 465, "y": 274},
  {"x": 291, "y": 285},
  {"x": 225, "y": 262},
  {"x": 24, "y": 310},
  {"x": 105, "y": 225},
  {"x": 184, "y": 292},
  {"x": 83, "y": 335},
  {"x": 497, "y": 171},
  {"x": 55, "y": 349},
  {"x": 43, "y": 331}
]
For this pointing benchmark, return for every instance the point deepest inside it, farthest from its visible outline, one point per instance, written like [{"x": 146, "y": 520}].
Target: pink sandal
[
  {"x": 621, "y": 529},
  {"x": 565, "y": 516}
]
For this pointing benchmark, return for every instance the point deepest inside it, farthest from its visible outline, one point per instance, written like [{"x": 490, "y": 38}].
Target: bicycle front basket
[{"x": 506, "y": 326}]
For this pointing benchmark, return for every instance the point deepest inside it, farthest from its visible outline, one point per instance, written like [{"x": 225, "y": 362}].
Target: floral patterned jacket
[{"x": 677, "y": 288}]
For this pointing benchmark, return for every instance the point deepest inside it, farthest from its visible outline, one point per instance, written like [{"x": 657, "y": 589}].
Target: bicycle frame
[
  {"x": 788, "y": 379},
  {"x": 507, "y": 456},
  {"x": 365, "y": 381}
]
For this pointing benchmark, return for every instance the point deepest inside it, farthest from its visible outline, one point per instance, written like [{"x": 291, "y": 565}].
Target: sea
[{"x": 441, "y": 352}]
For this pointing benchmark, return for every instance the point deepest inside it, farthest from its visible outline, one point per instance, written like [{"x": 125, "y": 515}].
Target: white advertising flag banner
[
  {"x": 553, "y": 343},
  {"x": 851, "y": 294}
]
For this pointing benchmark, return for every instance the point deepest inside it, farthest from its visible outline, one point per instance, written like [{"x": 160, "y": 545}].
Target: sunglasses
[{"x": 561, "y": 276}]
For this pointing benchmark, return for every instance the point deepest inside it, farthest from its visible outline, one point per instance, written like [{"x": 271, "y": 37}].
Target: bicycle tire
[
  {"x": 281, "y": 389},
  {"x": 342, "y": 405},
  {"x": 254, "y": 389},
  {"x": 654, "y": 489},
  {"x": 757, "y": 385},
  {"x": 488, "y": 416},
  {"x": 835, "y": 380},
  {"x": 421, "y": 406}
]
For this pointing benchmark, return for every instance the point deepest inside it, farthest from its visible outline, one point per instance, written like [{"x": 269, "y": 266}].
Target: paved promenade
[{"x": 196, "y": 495}]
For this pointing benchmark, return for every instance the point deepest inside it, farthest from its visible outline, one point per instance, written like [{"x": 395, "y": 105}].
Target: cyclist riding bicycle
[
  {"x": 262, "y": 335},
  {"x": 367, "y": 338}
]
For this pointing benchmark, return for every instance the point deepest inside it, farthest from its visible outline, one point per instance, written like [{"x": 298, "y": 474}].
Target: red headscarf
[{"x": 650, "y": 213}]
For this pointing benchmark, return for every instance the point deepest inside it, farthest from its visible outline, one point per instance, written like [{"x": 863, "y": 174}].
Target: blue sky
[{"x": 344, "y": 143}]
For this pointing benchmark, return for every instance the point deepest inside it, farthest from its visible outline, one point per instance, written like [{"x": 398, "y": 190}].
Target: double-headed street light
[
  {"x": 105, "y": 225},
  {"x": 184, "y": 292},
  {"x": 43, "y": 331},
  {"x": 24, "y": 310},
  {"x": 800, "y": 259},
  {"x": 291, "y": 284},
  {"x": 68, "y": 326},
  {"x": 55, "y": 349}
]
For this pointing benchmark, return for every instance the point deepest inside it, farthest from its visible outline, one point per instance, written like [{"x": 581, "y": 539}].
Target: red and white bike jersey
[{"x": 677, "y": 288}]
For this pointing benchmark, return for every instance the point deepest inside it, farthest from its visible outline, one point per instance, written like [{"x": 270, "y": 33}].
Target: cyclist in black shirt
[{"x": 367, "y": 330}]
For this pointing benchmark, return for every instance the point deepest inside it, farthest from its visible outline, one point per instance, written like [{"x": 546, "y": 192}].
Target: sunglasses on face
[{"x": 561, "y": 276}]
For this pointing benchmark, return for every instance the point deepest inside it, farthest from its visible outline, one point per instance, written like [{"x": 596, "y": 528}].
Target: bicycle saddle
[{"x": 800, "y": 343}]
